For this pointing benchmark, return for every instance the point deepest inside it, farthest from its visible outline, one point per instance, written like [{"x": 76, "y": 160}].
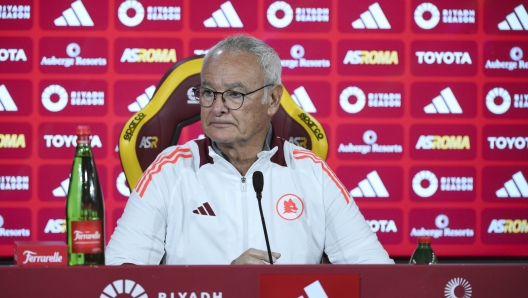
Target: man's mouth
[{"x": 220, "y": 124}]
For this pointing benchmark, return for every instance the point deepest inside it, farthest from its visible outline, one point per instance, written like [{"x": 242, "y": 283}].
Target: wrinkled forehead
[
  {"x": 241, "y": 56},
  {"x": 244, "y": 64}
]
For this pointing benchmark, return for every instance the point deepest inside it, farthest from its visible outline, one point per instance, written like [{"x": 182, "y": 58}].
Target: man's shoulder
[
  {"x": 301, "y": 159},
  {"x": 185, "y": 155},
  {"x": 175, "y": 150},
  {"x": 286, "y": 152},
  {"x": 299, "y": 154}
]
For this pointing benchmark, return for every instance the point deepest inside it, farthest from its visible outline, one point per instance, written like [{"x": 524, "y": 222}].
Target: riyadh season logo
[
  {"x": 511, "y": 143},
  {"x": 13, "y": 55},
  {"x": 375, "y": 100},
  {"x": 124, "y": 287},
  {"x": 520, "y": 101},
  {"x": 142, "y": 100},
  {"x": 494, "y": 93},
  {"x": 297, "y": 53},
  {"x": 442, "y": 230},
  {"x": 449, "y": 16},
  {"x": 515, "y": 19},
  {"x": 373, "y": 18},
  {"x": 283, "y": 7},
  {"x": 77, "y": 98},
  {"x": 458, "y": 282},
  {"x": 225, "y": 17},
  {"x": 371, "y": 187},
  {"x": 425, "y": 184},
  {"x": 138, "y": 10},
  {"x": 154, "y": 13},
  {"x": 76, "y": 15},
  {"x": 12, "y": 232},
  {"x": 14, "y": 182},
  {"x": 6, "y": 101},
  {"x": 419, "y": 16},
  {"x": 290, "y": 207},
  {"x": 514, "y": 188},
  {"x": 302, "y": 14},
  {"x": 516, "y": 55},
  {"x": 445, "y": 103},
  {"x": 508, "y": 226},
  {"x": 73, "y": 50},
  {"x": 370, "y": 137},
  {"x": 191, "y": 295},
  {"x": 15, "y": 12}
]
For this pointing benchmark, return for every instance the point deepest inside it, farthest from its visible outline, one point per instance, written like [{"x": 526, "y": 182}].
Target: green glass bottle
[
  {"x": 424, "y": 254},
  {"x": 85, "y": 207}
]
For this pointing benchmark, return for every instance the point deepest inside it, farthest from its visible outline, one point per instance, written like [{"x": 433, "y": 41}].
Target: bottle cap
[
  {"x": 83, "y": 130},
  {"x": 424, "y": 240}
]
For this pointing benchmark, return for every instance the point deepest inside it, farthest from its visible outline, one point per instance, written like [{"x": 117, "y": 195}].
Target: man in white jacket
[{"x": 196, "y": 205}]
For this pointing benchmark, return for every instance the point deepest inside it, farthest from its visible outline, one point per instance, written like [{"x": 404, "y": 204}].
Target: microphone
[{"x": 258, "y": 185}]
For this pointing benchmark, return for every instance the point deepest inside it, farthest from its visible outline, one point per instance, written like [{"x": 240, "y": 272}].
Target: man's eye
[
  {"x": 207, "y": 92},
  {"x": 234, "y": 95}
]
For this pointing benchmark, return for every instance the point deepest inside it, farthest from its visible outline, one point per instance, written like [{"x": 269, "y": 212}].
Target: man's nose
[{"x": 218, "y": 103}]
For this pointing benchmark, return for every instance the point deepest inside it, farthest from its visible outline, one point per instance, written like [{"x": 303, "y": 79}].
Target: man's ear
[{"x": 274, "y": 98}]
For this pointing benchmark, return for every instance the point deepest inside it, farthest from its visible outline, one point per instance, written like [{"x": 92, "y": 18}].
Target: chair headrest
[{"x": 173, "y": 107}]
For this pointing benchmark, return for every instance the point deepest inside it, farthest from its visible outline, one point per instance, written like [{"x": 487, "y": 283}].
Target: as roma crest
[{"x": 290, "y": 207}]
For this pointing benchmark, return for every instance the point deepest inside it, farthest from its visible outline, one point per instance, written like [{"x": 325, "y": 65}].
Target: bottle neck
[
  {"x": 424, "y": 245},
  {"x": 83, "y": 146},
  {"x": 85, "y": 140}
]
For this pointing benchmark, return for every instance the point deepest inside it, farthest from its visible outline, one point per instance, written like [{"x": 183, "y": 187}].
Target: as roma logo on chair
[{"x": 290, "y": 207}]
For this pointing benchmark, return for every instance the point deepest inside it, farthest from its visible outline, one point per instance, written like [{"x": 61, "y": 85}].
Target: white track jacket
[{"x": 194, "y": 206}]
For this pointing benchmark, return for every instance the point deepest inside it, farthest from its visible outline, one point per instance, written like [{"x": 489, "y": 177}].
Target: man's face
[{"x": 242, "y": 73}]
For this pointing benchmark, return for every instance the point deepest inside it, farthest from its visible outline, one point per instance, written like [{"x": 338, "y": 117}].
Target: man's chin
[{"x": 221, "y": 137}]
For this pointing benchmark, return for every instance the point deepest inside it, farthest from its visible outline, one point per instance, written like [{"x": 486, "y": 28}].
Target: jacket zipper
[
  {"x": 245, "y": 213},
  {"x": 243, "y": 189}
]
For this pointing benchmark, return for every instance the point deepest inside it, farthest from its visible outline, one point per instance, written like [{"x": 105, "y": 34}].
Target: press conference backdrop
[{"x": 425, "y": 105}]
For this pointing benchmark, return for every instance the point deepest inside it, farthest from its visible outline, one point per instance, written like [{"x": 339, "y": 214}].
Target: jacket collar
[{"x": 272, "y": 149}]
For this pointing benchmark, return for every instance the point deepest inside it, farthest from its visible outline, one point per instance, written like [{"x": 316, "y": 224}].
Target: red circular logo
[{"x": 290, "y": 207}]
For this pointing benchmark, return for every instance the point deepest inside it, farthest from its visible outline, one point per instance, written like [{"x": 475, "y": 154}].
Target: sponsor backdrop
[{"x": 425, "y": 104}]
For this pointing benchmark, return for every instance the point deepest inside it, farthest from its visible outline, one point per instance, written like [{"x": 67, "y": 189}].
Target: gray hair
[{"x": 267, "y": 58}]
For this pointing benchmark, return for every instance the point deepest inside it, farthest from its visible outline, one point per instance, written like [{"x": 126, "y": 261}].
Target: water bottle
[
  {"x": 85, "y": 207},
  {"x": 424, "y": 254}
]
